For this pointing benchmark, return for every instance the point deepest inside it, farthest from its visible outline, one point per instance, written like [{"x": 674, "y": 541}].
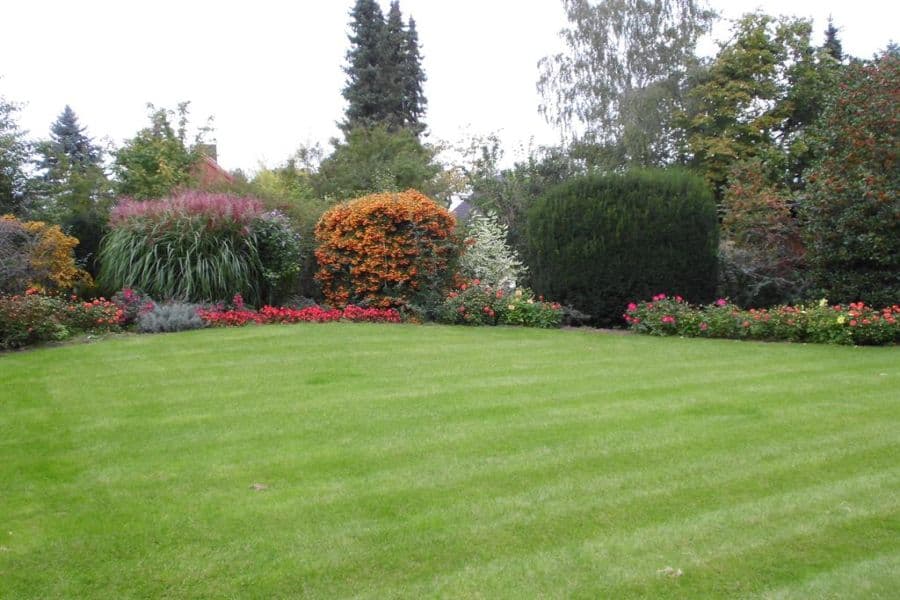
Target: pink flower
[
  {"x": 632, "y": 307},
  {"x": 721, "y": 302},
  {"x": 668, "y": 320},
  {"x": 703, "y": 326}
]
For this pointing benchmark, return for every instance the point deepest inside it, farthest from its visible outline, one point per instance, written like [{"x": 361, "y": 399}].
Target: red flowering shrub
[
  {"x": 386, "y": 250},
  {"x": 33, "y": 318},
  {"x": 94, "y": 316},
  {"x": 132, "y": 303},
  {"x": 819, "y": 323}
]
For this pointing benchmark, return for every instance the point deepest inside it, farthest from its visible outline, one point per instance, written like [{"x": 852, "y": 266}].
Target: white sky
[{"x": 270, "y": 71}]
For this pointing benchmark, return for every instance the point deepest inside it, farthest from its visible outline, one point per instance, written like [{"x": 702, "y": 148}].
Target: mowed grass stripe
[{"x": 411, "y": 461}]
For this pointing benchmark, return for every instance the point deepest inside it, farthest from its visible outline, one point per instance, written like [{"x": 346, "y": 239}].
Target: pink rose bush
[{"x": 855, "y": 323}]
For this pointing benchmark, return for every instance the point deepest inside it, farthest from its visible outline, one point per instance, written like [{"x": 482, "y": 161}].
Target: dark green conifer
[
  {"x": 832, "y": 44},
  {"x": 364, "y": 89},
  {"x": 413, "y": 78}
]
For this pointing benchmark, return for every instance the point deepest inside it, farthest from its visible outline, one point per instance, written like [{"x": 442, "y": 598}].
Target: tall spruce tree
[
  {"x": 392, "y": 67},
  {"x": 832, "y": 44},
  {"x": 412, "y": 80},
  {"x": 14, "y": 154},
  {"x": 365, "y": 83},
  {"x": 384, "y": 71},
  {"x": 69, "y": 142}
]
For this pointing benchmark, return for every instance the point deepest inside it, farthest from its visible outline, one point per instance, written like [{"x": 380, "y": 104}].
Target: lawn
[{"x": 383, "y": 461}]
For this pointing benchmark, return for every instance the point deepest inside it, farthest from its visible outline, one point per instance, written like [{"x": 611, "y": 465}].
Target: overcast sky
[{"x": 270, "y": 72}]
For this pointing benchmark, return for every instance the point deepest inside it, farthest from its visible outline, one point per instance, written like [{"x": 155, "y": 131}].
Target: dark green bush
[{"x": 597, "y": 242}]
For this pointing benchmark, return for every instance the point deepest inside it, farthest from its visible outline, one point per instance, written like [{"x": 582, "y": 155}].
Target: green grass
[{"x": 405, "y": 461}]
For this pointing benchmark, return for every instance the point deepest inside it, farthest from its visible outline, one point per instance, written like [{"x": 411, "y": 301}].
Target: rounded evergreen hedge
[{"x": 598, "y": 242}]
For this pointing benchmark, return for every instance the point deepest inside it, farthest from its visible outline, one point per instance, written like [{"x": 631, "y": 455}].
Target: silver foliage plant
[
  {"x": 488, "y": 257},
  {"x": 169, "y": 317}
]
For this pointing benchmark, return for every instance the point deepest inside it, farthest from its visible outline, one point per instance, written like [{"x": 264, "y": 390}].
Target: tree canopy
[{"x": 620, "y": 80}]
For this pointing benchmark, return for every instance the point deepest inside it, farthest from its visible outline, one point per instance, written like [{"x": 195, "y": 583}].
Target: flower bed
[
  {"x": 819, "y": 322},
  {"x": 240, "y": 316}
]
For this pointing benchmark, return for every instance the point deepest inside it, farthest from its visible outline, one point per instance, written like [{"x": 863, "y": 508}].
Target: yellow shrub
[{"x": 52, "y": 257}]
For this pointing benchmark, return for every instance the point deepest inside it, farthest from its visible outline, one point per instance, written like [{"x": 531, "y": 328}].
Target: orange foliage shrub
[
  {"x": 386, "y": 250},
  {"x": 51, "y": 256}
]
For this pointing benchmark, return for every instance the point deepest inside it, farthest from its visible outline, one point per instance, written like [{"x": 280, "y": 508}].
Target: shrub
[
  {"x": 478, "y": 303},
  {"x": 761, "y": 254},
  {"x": 524, "y": 310},
  {"x": 817, "y": 322},
  {"x": 170, "y": 317},
  {"x": 16, "y": 271},
  {"x": 278, "y": 247},
  {"x": 851, "y": 208},
  {"x": 94, "y": 316},
  {"x": 473, "y": 304},
  {"x": 199, "y": 246},
  {"x": 488, "y": 257},
  {"x": 600, "y": 240},
  {"x": 31, "y": 318},
  {"x": 386, "y": 250},
  {"x": 40, "y": 253},
  {"x": 132, "y": 303}
]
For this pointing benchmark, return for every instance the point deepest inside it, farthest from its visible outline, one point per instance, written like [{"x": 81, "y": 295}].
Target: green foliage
[
  {"x": 621, "y": 77},
  {"x": 488, "y": 257},
  {"x": 509, "y": 192},
  {"x": 598, "y": 241},
  {"x": 68, "y": 141},
  {"x": 288, "y": 188},
  {"x": 757, "y": 100},
  {"x": 73, "y": 188},
  {"x": 280, "y": 255},
  {"x": 15, "y": 152},
  {"x": 375, "y": 160},
  {"x": 170, "y": 317},
  {"x": 412, "y": 79},
  {"x": 761, "y": 252},
  {"x": 833, "y": 45},
  {"x": 159, "y": 160},
  {"x": 851, "y": 208}
]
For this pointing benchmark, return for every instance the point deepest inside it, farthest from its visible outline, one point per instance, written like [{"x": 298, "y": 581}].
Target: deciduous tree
[{"x": 621, "y": 78}]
